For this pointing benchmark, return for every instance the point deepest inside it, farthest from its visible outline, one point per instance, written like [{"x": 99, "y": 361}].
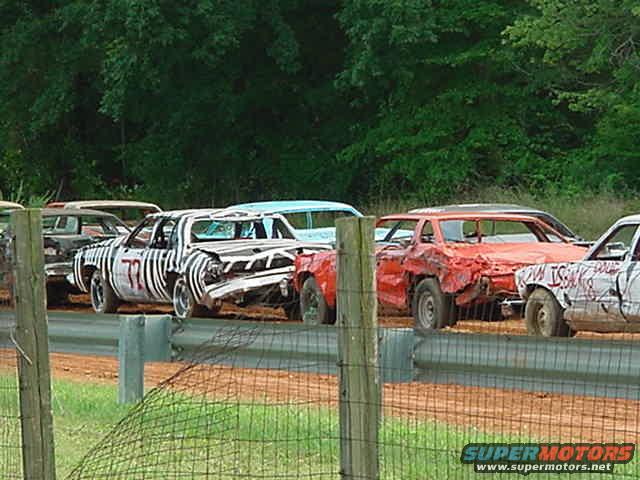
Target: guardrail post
[
  {"x": 34, "y": 372},
  {"x": 396, "y": 355},
  {"x": 157, "y": 339},
  {"x": 131, "y": 359},
  {"x": 357, "y": 322}
]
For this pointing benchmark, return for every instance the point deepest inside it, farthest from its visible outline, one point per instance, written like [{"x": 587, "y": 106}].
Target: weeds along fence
[{"x": 234, "y": 399}]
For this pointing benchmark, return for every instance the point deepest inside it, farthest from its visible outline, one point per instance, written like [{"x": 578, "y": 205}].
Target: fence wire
[
  {"x": 254, "y": 403},
  {"x": 10, "y": 436}
]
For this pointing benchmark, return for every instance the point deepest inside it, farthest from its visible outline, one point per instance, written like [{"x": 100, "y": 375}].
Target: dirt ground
[
  {"x": 551, "y": 417},
  {"x": 514, "y": 326}
]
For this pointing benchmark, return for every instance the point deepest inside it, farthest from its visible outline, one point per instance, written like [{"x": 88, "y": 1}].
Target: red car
[{"x": 433, "y": 264}]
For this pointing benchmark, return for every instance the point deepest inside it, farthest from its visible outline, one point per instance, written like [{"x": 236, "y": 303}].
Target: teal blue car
[{"x": 307, "y": 220}]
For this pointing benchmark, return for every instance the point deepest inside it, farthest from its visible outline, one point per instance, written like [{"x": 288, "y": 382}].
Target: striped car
[{"x": 193, "y": 259}]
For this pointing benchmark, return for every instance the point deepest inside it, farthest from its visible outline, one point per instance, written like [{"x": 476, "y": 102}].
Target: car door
[
  {"x": 128, "y": 269},
  {"x": 390, "y": 279},
  {"x": 155, "y": 261},
  {"x": 626, "y": 289},
  {"x": 595, "y": 285}
]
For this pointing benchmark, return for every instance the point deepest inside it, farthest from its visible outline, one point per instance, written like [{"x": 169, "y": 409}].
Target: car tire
[
  {"x": 57, "y": 295},
  {"x": 544, "y": 316},
  {"x": 185, "y": 305},
  {"x": 432, "y": 309},
  {"x": 313, "y": 306},
  {"x": 292, "y": 310},
  {"x": 103, "y": 298}
]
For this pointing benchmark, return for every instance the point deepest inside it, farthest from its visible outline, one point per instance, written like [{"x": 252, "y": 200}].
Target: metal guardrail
[{"x": 568, "y": 366}]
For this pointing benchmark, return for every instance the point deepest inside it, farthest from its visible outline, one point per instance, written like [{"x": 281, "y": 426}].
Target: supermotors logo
[{"x": 526, "y": 458}]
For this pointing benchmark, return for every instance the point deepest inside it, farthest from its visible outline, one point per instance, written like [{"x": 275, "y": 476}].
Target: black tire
[
  {"x": 103, "y": 298},
  {"x": 184, "y": 305},
  {"x": 57, "y": 295},
  {"x": 313, "y": 306},
  {"x": 431, "y": 308},
  {"x": 544, "y": 316},
  {"x": 292, "y": 310}
]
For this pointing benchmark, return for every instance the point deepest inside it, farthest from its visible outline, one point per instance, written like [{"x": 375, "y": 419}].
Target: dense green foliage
[{"x": 207, "y": 102}]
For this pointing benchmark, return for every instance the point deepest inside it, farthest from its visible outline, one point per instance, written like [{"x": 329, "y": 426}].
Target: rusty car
[
  {"x": 599, "y": 292},
  {"x": 194, "y": 260},
  {"x": 129, "y": 211},
  {"x": 435, "y": 264},
  {"x": 64, "y": 231}
]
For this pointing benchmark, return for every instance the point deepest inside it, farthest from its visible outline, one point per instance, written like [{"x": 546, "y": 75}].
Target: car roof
[
  {"x": 7, "y": 205},
  {"x": 106, "y": 203},
  {"x": 629, "y": 218},
  {"x": 290, "y": 206},
  {"x": 460, "y": 216},
  {"x": 230, "y": 213},
  {"x": 74, "y": 212},
  {"x": 485, "y": 207}
]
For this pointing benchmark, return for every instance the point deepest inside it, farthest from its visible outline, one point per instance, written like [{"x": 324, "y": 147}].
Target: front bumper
[
  {"x": 58, "y": 271},
  {"x": 255, "y": 285}
]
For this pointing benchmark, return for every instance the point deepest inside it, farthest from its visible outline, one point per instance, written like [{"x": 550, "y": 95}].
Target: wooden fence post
[
  {"x": 33, "y": 347},
  {"x": 357, "y": 323}
]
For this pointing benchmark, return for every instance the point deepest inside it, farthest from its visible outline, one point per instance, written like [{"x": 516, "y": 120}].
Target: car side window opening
[
  {"x": 327, "y": 219},
  {"x": 493, "y": 231},
  {"x": 298, "y": 220},
  {"x": 617, "y": 245},
  {"x": 427, "y": 235},
  {"x": 141, "y": 236},
  {"x": 164, "y": 234},
  {"x": 399, "y": 232}
]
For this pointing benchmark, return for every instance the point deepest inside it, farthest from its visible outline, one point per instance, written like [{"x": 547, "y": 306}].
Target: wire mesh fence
[
  {"x": 236, "y": 409},
  {"x": 10, "y": 437}
]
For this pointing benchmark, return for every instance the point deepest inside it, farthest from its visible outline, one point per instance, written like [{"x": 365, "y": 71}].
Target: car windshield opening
[{"x": 211, "y": 230}]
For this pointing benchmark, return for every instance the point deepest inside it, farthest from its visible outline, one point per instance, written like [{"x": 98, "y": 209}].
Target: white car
[
  {"x": 194, "y": 259},
  {"x": 599, "y": 293}
]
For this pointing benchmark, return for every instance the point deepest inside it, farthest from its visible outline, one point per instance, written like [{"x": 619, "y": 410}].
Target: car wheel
[
  {"x": 292, "y": 310},
  {"x": 544, "y": 315},
  {"x": 56, "y": 295},
  {"x": 313, "y": 306},
  {"x": 184, "y": 305},
  {"x": 431, "y": 307},
  {"x": 103, "y": 298}
]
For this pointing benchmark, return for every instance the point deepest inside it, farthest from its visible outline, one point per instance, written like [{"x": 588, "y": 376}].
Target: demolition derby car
[
  {"x": 512, "y": 209},
  {"x": 600, "y": 292},
  {"x": 193, "y": 259},
  {"x": 64, "y": 233},
  {"x": 435, "y": 263},
  {"x": 307, "y": 220}
]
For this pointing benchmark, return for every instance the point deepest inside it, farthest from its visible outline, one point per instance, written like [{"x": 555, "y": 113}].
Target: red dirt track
[{"x": 551, "y": 417}]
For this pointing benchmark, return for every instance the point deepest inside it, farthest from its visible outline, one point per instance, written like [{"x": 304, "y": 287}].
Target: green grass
[
  {"x": 589, "y": 214},
  {"x": 175, "y": 436}
]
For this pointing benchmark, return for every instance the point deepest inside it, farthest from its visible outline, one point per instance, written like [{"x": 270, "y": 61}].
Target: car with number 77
[
  {"x": 193, "y": 259},
  {"x": 600, "y": 292}
]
